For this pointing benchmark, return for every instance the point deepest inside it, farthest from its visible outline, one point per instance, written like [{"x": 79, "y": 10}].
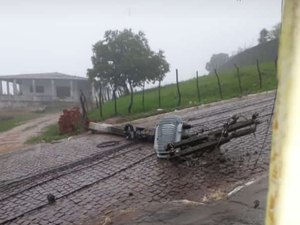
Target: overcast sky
[{"x": 57, "y": 35}]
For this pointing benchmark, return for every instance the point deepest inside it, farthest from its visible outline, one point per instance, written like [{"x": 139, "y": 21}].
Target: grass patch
[
  {"x": 11, "y": 120},
  {"x": 50, "y": 134},
  {"x": 208, "y": 91}
]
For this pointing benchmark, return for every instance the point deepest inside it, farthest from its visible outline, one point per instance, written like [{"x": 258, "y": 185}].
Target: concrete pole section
[
  {"x": 33, "y": 88},
  {"x": 15, "y": 87},
  {"x": 53, "y": 90},
  {"x": 284, "y": 182},
  {"x": 7, "y": 87},
  {"x": 71, "y": 89}
]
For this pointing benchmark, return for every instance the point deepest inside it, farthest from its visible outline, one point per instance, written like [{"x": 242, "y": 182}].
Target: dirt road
[{"x": 15, "y": 138}]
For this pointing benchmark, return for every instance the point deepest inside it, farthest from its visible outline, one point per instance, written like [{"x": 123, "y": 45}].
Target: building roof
[{"x": 44, "y": 76}]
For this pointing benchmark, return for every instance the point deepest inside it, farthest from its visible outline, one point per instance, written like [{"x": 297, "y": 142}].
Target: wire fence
[{"x": 217, "y": 86}]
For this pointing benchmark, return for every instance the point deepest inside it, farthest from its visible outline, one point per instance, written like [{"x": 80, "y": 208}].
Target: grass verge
[
  {"x": 208, "y": 92},
  {"x": 50, "y": 134},
  {"x": 10, "y": 120}
]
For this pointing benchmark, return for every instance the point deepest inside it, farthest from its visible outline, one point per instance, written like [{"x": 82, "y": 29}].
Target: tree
[
  {"x": 275, "y": 32},
  {"x": 263, "y": 36},
  {"x": 216, "y": 60},
  {"x": 124, "y": 59}
]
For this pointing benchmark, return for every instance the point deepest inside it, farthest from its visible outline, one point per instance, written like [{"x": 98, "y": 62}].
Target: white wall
[{"x": 49, "y": 94}]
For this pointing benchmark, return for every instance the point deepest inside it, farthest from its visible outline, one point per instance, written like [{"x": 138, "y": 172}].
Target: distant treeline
[{"x": 265, "y": 52}]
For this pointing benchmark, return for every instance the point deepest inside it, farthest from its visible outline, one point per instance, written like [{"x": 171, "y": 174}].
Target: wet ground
[
  {"x": 246, "y": 207},
  {"x": 91, "y": 182}
]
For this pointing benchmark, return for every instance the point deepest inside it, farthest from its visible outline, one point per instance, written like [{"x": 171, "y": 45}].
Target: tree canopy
[
  {"x": 124, "y": 58},
  {"x": 263, "y": 36},
  {"x": 216, "y": 60},
  {"x": 275, "y": 32},
  {"x": 268, "y": 35}
]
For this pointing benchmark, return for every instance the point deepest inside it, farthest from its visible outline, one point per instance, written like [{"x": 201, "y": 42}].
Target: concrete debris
[{"x": 107, "y": 221}]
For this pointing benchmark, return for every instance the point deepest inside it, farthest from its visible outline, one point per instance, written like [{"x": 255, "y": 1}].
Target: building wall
[
  {"x": 74, "y": 85},
  {"x": 49, "y": 94},
  {"x": 26, "y": 84}
]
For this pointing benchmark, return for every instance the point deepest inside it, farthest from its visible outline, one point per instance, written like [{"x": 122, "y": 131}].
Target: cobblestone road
[{"x": 91, "y": 182}]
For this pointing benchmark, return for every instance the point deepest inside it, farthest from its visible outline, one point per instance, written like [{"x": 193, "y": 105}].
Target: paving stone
[{"x": 102, "y": 186}]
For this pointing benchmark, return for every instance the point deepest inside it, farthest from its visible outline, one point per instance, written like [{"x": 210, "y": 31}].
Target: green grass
[
  {"x": 11, "y": 120},
  {"x": 208, "y": 90},
  {"x": 50, "y": 134}
]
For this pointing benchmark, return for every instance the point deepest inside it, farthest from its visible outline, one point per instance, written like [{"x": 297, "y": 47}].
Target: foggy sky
[{"x": 57, "y": 35}]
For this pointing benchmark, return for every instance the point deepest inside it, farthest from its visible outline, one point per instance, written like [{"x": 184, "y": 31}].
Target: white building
[{"x": 42, "y": 88}]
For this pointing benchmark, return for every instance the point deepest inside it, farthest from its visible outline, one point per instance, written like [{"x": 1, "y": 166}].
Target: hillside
[
  {"x": 266, "y": 52},
  {"x": 208, "y": 92}
]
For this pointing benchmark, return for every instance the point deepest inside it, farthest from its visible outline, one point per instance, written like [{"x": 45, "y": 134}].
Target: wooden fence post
[
  {"x": 239, "y": 78},
  {"x": 178, "y": 90},
  {"x": 159, "y": 102},
  {"x": 259, "y": 73},
  {"x": 100, "y": 99},
  {"x": 198, "y": 90},
  {"x": 131, "y": 97},
  {"x": 143, "y": 97},
  {"x": 115, "y": 101},
  {"x": 219, "y": 84}
]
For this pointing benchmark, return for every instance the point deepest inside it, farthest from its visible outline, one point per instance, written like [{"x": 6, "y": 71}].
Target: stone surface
[
  {"x": 236, "y": 210},
  {"x": 90, "y": 183}
]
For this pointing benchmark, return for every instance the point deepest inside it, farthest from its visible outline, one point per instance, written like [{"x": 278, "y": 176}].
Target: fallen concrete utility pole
[{"x": 172, "y": 138}]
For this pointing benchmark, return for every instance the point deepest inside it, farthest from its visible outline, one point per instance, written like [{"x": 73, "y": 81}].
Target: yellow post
[{"x": 284, "y": 181}]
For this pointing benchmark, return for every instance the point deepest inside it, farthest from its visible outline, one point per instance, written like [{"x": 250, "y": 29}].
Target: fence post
[
  {"x": 219, "y": 84},
  {"x": 178, "y": 90},
  {"x": 259, "y": 73},
  {"x": 100, "y": 99},
  {"x": 143, "y": 97},
  {"x": 97, "y": 104},
  {"x": 239, "y": 78},
  {"x": 159, "y": 102},
  {"x": 131, "y": 97},
  {"x": 198, "y": 90},
  {"x": 115, "y": 101}
]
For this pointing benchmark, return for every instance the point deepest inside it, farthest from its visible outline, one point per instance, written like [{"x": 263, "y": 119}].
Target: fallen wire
[
  {"x": 220, "y": 120},
  {"x": 266, "y": 134},
  {"x": 269, "y": 122},
  {"x": 108, "y": 144}
]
